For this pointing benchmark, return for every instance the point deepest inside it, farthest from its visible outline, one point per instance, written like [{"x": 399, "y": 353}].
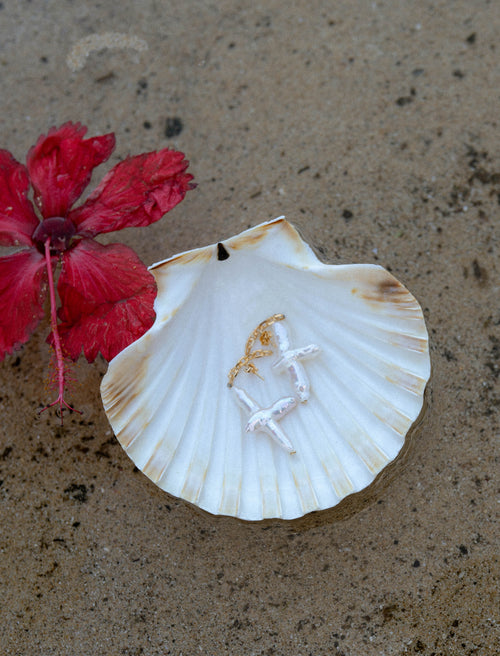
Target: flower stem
[{"x": 60, "y": 368}]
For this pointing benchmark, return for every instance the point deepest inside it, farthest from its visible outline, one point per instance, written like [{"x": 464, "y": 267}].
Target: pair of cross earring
[{"x": 266, "y": 419}]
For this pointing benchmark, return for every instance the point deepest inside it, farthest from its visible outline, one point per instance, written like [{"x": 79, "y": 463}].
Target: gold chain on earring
[{"x": 262, "y": 334}]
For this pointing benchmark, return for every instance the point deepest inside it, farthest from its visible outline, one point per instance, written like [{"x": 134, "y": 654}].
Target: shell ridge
[
  {"x": 366, "y": 446},
  {"x": 378, "y": 341},
  {"x": 369, "y": 397},
  {"x": 121, "y": 390},
  {"x": 160, "y": 398},
  {"x": 346, "y": 363},
  {"x": 273, "y": 492},
  {"x": 373, "y": 362},
  {"x": 349, "y": 298},
  {"x": 175, "y": 285},
  {"x": 267, "y": 453},
  {"x": 220, "y": 435},
  {"x": 271, "y": 501},
  {"x": 344, "y": 276},
  {"x": 320, "y": 485},
  {"x": 168, "y": 410},
  {"x": 305, "y": 489},
  {"x": 375, "y": 321},
  {"x": 168, "y": 370},
  {"x": 173, "y": 452},
  {"x": 188, "y": 447},
  {"x": 324, "y": 444},
  {"x": 232, "y": 481},
  {"x": 407, "y": 407},
  {"x": 249, "y": 484},
  {"x": 113, "y": 404},
  {"x": 203, "y": 443},
  {"x": 323, "y": 372},
  {"x": 138, "y": 410},
  {"x": 341, "y": 444}
]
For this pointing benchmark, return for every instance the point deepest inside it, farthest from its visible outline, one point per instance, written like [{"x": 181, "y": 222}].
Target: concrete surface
[{"x": 373, "y": 126}]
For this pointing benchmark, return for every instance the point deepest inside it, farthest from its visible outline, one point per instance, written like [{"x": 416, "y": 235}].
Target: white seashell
[{"x": 345, "y": 401}]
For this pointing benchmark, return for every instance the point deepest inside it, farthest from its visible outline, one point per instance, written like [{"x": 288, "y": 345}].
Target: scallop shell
[{"x": 167, "y": 394}]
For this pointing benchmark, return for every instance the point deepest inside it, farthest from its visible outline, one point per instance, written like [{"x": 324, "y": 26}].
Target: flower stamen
[{"x": 60, "y": 367}]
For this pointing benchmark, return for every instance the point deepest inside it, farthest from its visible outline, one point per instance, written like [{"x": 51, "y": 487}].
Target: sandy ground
[{"x": 373, "y": 126}]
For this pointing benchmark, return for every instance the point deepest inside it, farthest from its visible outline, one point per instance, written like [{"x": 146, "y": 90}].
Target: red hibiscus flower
[{"x": 106, "y": 293}]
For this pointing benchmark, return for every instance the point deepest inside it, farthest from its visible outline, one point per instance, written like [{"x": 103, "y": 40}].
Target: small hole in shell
[{"x": 222, "y": 253}]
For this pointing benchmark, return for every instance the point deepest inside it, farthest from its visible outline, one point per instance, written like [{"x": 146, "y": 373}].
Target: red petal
[
  {"x": 107, "y": 297},
  {"x": 23, "y": 288},
  {"x": 17, "y": 217},
  {"x": 136, "y": 192},
  {"x": 61, "y": 164}
]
